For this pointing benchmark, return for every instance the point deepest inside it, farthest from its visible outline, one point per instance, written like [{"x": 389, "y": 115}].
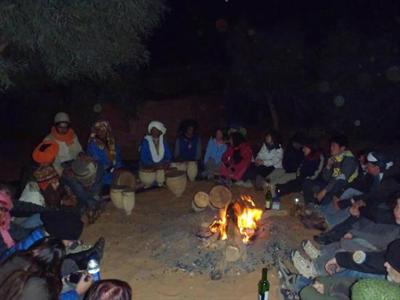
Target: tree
[{"x": 75, "y": 39}]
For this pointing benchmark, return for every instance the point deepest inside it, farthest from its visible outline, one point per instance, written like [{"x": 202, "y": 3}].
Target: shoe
[
  {"x": 82, "y": 258},
  {"x": 239, "y": 183},
  {"x": 302, "y": 265},
  {"x": 310, "y": 249},
  {"x": 322, "y": 240},
  {"x": 247, "y": 184}
]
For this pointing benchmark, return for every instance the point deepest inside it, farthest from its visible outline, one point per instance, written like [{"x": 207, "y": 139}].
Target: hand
[
  {"x": 348, "y": 236},
  {"x": 330, "y": 162},
  {"x": 84, "y": 283},
  {"x": 259, "y": 162},
  {"x": 355, "y": 211},
  {"x": 320, "y": 195},
  {"x": 335, "y": 203},
  {"x": 319, "y": 287},
  {"x": 332, "y": 266}
]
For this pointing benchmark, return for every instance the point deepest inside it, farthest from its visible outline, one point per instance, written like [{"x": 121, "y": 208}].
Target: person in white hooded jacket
[{"x": 268, "y": 159}]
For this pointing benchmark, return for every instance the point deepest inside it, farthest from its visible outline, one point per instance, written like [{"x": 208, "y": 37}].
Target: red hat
[{"x": 45, "y": 152}]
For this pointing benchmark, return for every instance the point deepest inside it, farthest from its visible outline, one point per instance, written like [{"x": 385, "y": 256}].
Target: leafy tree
[{"x": 75, "y": 39}]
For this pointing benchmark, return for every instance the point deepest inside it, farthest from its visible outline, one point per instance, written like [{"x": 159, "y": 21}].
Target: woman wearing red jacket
[{"x": 237, "y": 158}]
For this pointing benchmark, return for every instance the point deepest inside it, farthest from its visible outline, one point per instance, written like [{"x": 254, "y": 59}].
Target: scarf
[
  {"x": 109, "y": 143},
  {"x": 156, "y": 156},
  {"x": 67, "y": 138},
  {"x": 5, "y": 201}
]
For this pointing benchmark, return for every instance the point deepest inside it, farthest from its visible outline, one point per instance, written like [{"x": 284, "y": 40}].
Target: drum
[
  {"x": 116, "y": 195},
  {"x": 200, "y": 201},
  {"x": 176, "y": 182},
  {"x": 220, "y": 196},
  {"x": 160, "y": 177},
  {"x": 180, "y": 166},
  {"x": 192, "y": 170},
  {"x": 124, "y": 177},
  {"x": 147, "y": 176},
  {"x": 128, "y": 200}
]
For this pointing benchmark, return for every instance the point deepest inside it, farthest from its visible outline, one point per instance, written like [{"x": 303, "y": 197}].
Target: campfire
[{"x": 242, "y": 214}]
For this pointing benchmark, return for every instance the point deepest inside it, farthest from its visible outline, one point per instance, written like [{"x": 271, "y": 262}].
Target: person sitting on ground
[
  {"x": 366, "y": 281},
  {"x": 67, "y": 140},
  {"x": 310, "y": 168},
  {"x": 364, "y": 235},
  {"x": 216, "y": 147},
  {"x": 267, "y": 160},
  {"x": 103, "y": 149},
  {"x": 340, "y": 170},
  {"x": 110, "y": 289},
  {"x": 365, "y": 193},
  {"x": 35, "y": 274},
  {"x": 154, "y": 150},
  {"x": 188, "y": 144},
  {"x": 236, "y": 159},
  {"x": 293, "y": 156}
]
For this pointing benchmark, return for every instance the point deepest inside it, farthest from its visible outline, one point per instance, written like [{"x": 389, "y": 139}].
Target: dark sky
[{"x": 188, "y": 34}]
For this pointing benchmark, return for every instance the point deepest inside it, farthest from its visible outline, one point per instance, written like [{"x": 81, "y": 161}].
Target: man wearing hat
[
  {"x": 65, "y": 137},
  {"x": 154, "y": 150}
]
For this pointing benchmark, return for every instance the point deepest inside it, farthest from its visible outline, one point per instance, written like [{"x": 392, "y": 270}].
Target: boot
[{"x": 82, "y": 258}]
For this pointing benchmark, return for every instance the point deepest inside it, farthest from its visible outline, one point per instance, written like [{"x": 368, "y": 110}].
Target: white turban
[{"x": 158, "y": 125}]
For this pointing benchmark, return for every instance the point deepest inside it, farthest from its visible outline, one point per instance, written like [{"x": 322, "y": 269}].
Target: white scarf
[{"x": 157, "y": 157}]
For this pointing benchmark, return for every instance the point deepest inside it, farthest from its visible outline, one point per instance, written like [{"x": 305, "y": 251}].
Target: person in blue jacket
[
  {"x": 154, "y": 150},
  {"x": 103, "y": 148},
  {"x": 188, "y": 144},
  {"x": 216, "y": 147}
]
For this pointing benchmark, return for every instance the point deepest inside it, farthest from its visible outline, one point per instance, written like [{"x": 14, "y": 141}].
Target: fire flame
[{"x": 246, "y": 215}]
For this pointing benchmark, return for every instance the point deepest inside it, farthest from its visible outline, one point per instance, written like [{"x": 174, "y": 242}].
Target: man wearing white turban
[{"x": 154, "y": 151}]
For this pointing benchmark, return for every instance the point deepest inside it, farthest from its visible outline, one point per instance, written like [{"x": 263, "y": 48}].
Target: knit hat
[
  {"x": 44, "y": 175},
  {"x": 393, "y": 255},
  {"x": 61, "y": 117},
  {"x": 45, "y": 152},
  {"x": 62, "y": 225},
  {"x": 379, "y": 160},
  {"x": 158, "y": 125},
  {"x": 84, "y": 171}
]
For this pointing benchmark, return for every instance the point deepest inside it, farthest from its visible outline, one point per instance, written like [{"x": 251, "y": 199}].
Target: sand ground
[{"x": 128, "y": 250}]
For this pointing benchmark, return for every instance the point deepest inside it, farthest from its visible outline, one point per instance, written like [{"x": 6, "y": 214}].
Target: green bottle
[
  {"x": 268, "y": 199},
  {"x": 263, "y": 285}
]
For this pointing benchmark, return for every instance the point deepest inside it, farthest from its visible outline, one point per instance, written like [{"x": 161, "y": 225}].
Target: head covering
[
  {"x": 158, "y": 125},
  {"x": 379, "y": 160},
  {"x": 61, "y": 117},
  {"x": 62, "y": 225},
  {"x": 44, "y": 176},
  {"x": 108, "y": 143},
  {"x": 393, "y": 255},
  {"x": 6, "y": 202},
  {"x": 84, "y": 171},
  {"x": 45, "y": 152}
]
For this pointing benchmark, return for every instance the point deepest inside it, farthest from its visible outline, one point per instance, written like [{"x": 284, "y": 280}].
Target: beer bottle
[
  {"x": 263, "y": 286},
  {"x": 268, "y": 199}
]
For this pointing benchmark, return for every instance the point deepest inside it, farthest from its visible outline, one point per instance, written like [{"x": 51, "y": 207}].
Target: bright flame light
[{"x": 247, "y": 216}]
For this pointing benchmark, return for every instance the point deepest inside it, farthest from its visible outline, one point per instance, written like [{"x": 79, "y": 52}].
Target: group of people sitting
[
  {"x": 355, "y": 202},
  {"x": 351, "y": 198},
  {"x": 41, "y": 254}
]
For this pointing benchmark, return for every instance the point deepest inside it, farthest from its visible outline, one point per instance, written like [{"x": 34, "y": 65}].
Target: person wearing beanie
[
  {"x": 104, "y": 150},
  {"x": 68, "y": 143}
]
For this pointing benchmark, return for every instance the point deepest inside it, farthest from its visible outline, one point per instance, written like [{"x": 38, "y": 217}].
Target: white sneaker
[
  {"x": 302, "y": 265},
  {"x": 310, "y": 249},
  {"x": 247, "y": 184},
  {"x": 239, "y": 183}
]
